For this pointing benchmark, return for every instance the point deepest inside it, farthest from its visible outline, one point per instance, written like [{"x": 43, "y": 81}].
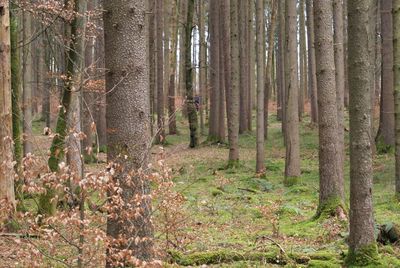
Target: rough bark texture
[
  {"x": 312, "y": 73},
  {"x": 361, "y": 240},
  {"x": 302, "y": 58},
  {"x": 260, "y": 50},
  {"x": 386, "y": 136},
  {"x": 127, "y": 114},
  {"x": 192, "y": 113},
  {"x": 396, "y": 46},
  {"x": 338, "y": 36},
  {"x": 331, "y": 186},
  {"x": 222, "y": 68},
  {"x": 281, "y": 65},
  {"x": 6, "y": 144},
  {"x": 292, "y": 163},
  {"x": 244, "y": 66},
  {"x": 151, "y": 24}
]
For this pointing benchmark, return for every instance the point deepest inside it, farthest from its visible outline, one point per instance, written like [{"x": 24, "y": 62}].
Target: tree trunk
[
  {"x": 203, "y": 63},
  {"x": 233, "y": 91},
  {"x": 260, "y": 50},
  {"x": 362, "y": 246},
  {"x": 396, "y": 46},
  {"x": 192, "y": 113},
  {"x": 303, "y": 59},
  {"x": 312, "y": 73},
  {"x": 331, "y": 186},
  {"x": 6, "y": 145},
  {"x": 292, "y": 163},
  {"x": 152, "y": 60},
  {"x": 160, "y": 135},
  {"x": 27, "y": 83},
  {"x": 269, "y": 69},
  {"x": 281, "y": 65},
  {"x": 127, "y": 116},
  {"x": 386, "y": 136},
  {"x": 244, "y": 66},
  {"x": 251, "y": 61},
  {"x": 173, "y": 62}
]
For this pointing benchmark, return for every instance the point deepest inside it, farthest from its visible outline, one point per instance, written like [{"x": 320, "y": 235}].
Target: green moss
[
  {"x": 290, "y": 181},
  {"x": 366, "y": 255},
  {"x": 216, "y": 192},
  {"x": 330, "y": 208},
  {"x": 323, "y": 264}
]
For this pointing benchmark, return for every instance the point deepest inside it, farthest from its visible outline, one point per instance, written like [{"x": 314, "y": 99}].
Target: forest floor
[{"x": 234, "y": 218}]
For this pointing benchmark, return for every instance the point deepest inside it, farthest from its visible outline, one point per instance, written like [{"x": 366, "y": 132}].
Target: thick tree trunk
[
  {"x": 192, "y": 113},
  {"x": 172, "y": 74},
  {"x": 362, "y": 247},
  {"x": 260, "y": 49},
  {"x": 396, "y": 46},
  {"x": 312, "y": 73},
  {"x": 331, "y": 186},
  {"x": 386, "y": 136},
  {"x": 303, "y": 58},
  {"x": 338, "y": 36},
  {"x": 127, "y": 116},
  {"x": 6, "y": 145},
  {"x": 292, "y": 163}
]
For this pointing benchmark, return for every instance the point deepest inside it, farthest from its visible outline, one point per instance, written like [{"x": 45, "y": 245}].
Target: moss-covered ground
[{"x": 235, "y": 219}]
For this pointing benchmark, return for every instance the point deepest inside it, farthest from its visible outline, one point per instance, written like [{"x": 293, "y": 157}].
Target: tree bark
[
  {"x": 127, "y": 117},
  {"x": 362, "y": 246},
  {"x": 172, "y": 74},
  {"x": 6, "y": 145},
  {"x": 396, "y": 46},
  {"x": 160, "y": 135},
  {"x": 244, "y": 66},
  {"x": 192, "y": 113},
  {"x": 303, "y": 59},
  {"x": 312, "y": 73},
  {"x": 203, "y": 63},
  {"x": 292, "y": 163},
  {"x": 386, "y": 136},
  {"x": 331, "y": 186},
  {"x": 260, "y": 50}
]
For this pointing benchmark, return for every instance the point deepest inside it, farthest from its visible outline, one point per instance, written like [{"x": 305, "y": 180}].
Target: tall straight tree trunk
[
  {"x": 292, "y": 163},
  {"x": 182, "y": 22},
  {"x": 233, "y": 91},
  {"x": 173, "y": 66},
  {"x": 222, "y": 79},
  {"x": 192, "y": 113},
  {"x": 269, "y": 68},
  {"x": 160, "y": 136},
  {"x": 251, "y": 58},
  {"x": 214, "y": 70},
  {"x": 152, "y": 60},
  {"x": 6, "y": 145},
  {"x": 331, "y": 186},
  {"x": 373, "y": 75},
  {"x": 281, "y": 65},
  {"x": 27, "y": 83},
  {"x": 386, "y": 136},
  {"x": 396, "y": 46},
  {"x": 345, "y": 48},
  {"x": 303, "y": 58},
  {"x": 202, "y": 63},
  {"x": 244, "y": 66},
  {"x": 312, "y": 73},
  {"x": 16, "y": 91},
  {"x": 260, "y": 45},
  {"x": 338, "y": 36},
  {"x": 127, "y": 115},
  {"x": 362, "y": 245}
]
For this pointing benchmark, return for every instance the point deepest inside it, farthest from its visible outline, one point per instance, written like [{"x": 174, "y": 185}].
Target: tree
[
  {"x": 292, "y": 163},
  {"x": 127, "y": 117},
  {"x": 192, "y": 113},
  {"x": 202, "y": 63},
  {"x": 244, "y": 66},
  {"x": 302, "y": 58},
  {"x": 281, "y": 65},
  {"x": 160, "y": 135},
  {"x": 231, "y": 54},
  {"x": 6, "y": 145},
  {"x": 172, "y": 74},
  {"x": 396, "y": 46},
  {"x": 362, "y": 245},
  {"x": 27, "y": 72},
  {"x": 312, "y": 73},
  {"x": 331, "y": 187},
  {"x": 340, "y": 79},
  {"x": 269, "y": 68},
  {"x": 386, "y": 135},
  {"x": 260, "y": 45}
]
